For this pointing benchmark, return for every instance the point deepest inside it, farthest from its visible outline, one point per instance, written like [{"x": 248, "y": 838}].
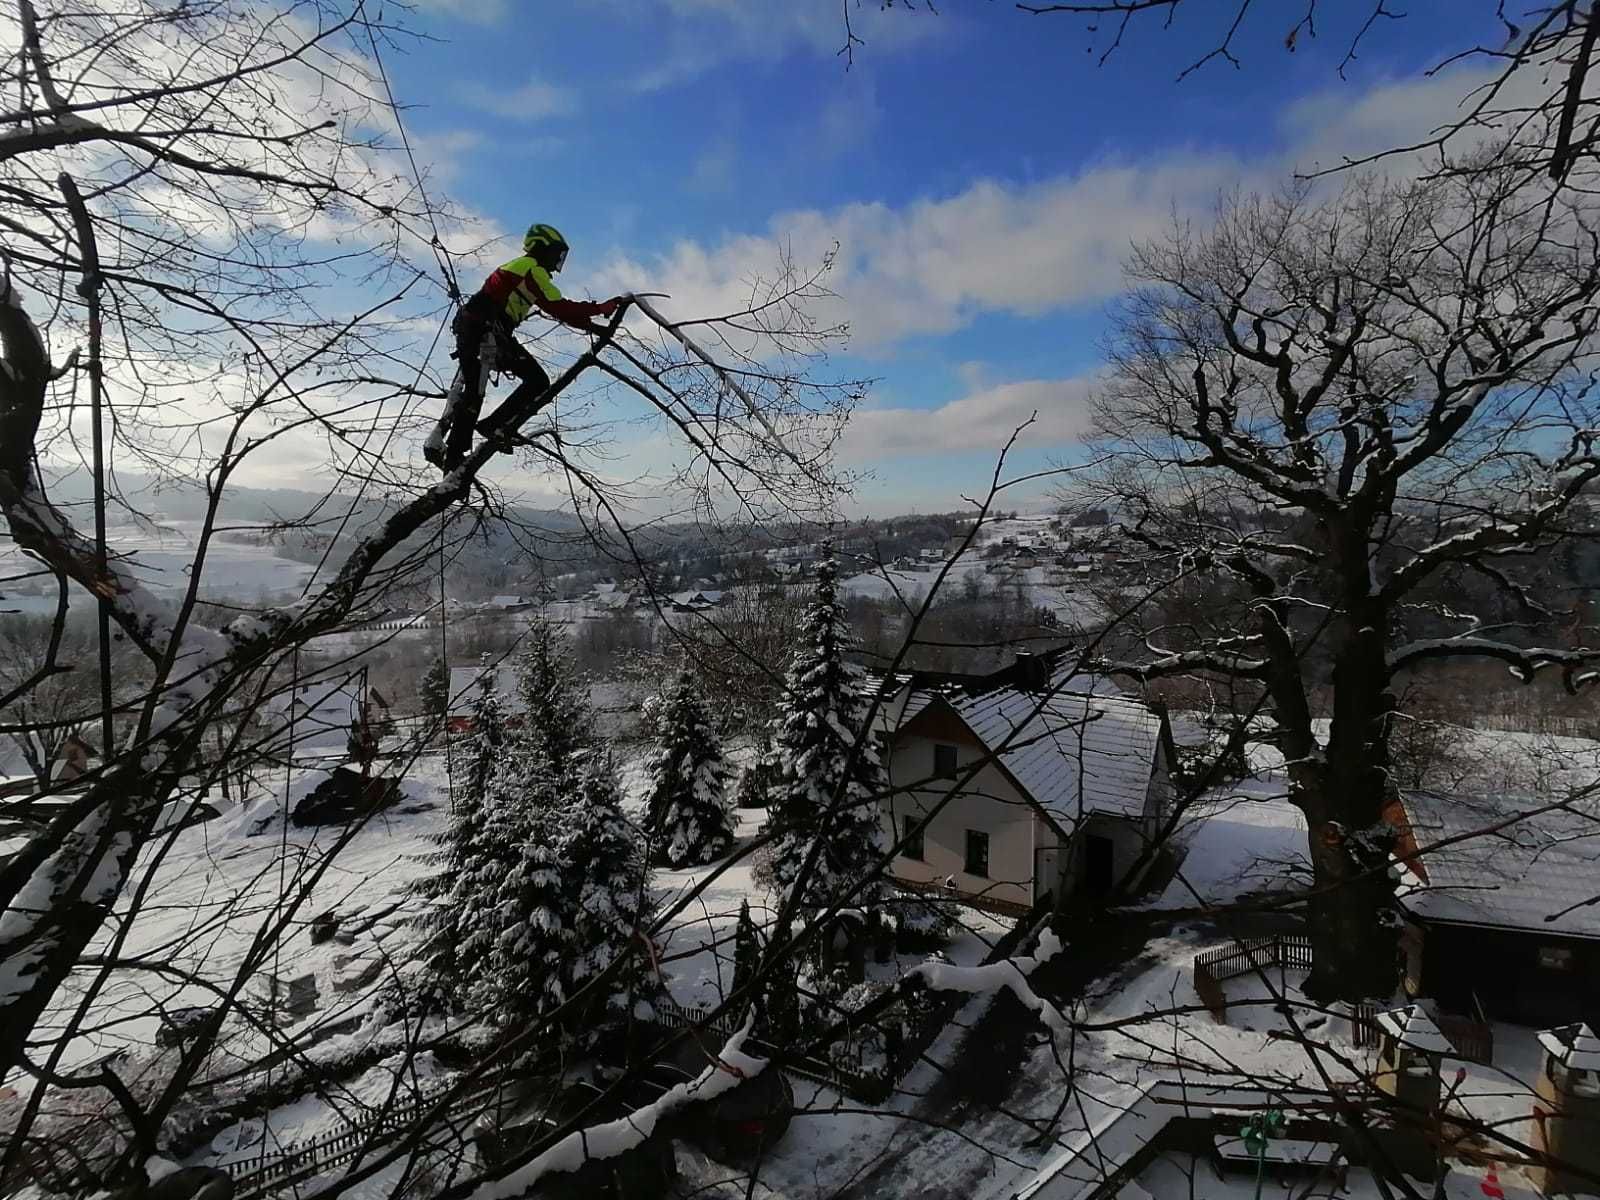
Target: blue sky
[{"x": 982, "y": 173}]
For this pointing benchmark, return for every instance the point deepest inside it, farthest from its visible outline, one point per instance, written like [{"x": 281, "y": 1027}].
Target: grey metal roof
[
  {"x": 1074, "y": 752},
  {"x": 1538, "y": 872}
]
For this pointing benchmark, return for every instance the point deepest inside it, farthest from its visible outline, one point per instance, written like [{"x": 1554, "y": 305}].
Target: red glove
[{"x": 607, "y": 307}]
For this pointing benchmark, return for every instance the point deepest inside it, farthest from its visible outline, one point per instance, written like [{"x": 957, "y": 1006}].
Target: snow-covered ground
[
  {"x": 203, "y": 899},
  {"x": 160, "y": 559},
  {"x": 1239, "y": 840}
]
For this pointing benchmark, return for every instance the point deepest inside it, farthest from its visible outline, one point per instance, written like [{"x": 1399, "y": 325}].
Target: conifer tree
[
  {"x": 686, "y": 810},
  {"x": 608, "y": 880},
  {"x": 485, "y": 749},
  {"x": 434, "y": 690},
  {"x": 531, "y": 954},
  {"x": 746, "y": 954},
  {"x": 829, "y": 769},
  {"x": 557, "y": 727},
  {"x": 453, "y": 920}
]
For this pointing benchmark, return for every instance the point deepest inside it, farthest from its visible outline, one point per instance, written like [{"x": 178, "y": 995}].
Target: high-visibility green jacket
[{"x": 518, "y": 287}]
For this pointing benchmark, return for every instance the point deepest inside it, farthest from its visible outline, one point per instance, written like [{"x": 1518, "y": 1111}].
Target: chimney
[
  {"x": 1566, "y": 1116},
  {"x": 1410, "y": 1046},
  {"x": 1031, "y": 672}
]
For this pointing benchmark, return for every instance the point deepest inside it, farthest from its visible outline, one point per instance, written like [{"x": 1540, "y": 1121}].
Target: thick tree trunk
[
  {"x": 1353, "y": 935},
  {"x": 1351, "y": 912}
]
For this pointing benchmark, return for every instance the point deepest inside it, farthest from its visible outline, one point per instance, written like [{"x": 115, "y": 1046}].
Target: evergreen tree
[
  {"x": 533, "y": 941},
  {"x": 746, "y": 954},
  {"x": 686, "y": 810},
  {"x": 557, "y": 728},
  {"x": 517, "y": 927},
  {"x": 829, "y": 768},
  {"x": 608, "y": 880},
  {"x": 486, "y": 748},
  {"x": 454, "y": 919},
  {"x": 434, "y": 690}
]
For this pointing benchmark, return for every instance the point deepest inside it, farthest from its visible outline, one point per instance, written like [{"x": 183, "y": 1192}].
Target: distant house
[
  {"x": 1067, "y": 786},
  {"x": 327, "y": 717},
  {"x": 615, "y": 706},
  {"x": 1504, "y": 921},
  {"x": 696, "y": 600},
  {"x": 464, "y": 688},
  {"x": 510, "y": 604},
  {"x": 612, "y": 600}
]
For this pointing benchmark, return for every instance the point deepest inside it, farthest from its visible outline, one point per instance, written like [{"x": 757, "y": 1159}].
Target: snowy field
[{"x": 160, "y": 560}]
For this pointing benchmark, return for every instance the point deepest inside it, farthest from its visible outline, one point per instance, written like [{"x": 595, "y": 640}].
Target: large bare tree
[{"x": 1324, "y": 405}]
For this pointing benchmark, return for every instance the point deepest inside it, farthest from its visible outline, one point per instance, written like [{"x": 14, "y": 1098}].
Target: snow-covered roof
[
  {"x": 1573, "y": 1046},
  {"x": 507, "y": 601},
  {"x": 1074, "y": 748},
  {"x": 1509, "y": 869},
  {"x": 464, "y": 687},
  {"x": 317, "y": 716},
  {"x": 1414, "y": 1029}
]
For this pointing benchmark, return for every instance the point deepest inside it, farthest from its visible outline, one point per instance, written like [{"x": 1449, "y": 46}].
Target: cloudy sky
[{"x": 981, "y": 173}]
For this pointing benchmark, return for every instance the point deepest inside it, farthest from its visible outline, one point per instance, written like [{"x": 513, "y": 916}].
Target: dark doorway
[{"x": 1097, "y": 875}]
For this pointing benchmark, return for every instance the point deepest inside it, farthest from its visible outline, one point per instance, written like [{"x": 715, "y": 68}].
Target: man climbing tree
[{"x": 485, "y": 341}]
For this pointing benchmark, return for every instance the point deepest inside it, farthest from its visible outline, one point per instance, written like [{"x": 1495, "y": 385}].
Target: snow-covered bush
[{"x": 920, "y": 923}]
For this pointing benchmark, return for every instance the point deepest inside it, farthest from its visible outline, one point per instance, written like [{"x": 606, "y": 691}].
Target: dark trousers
[{"x": 475, "y": 336}]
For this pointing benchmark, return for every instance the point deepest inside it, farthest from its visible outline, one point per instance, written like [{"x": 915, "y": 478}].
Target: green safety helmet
[{"x": 545, "y": 244}]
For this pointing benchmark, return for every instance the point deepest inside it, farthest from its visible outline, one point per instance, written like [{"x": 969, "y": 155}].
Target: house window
[
  {"x": 944, "y": 762},
  {"x": 1555, "y": 958},
  {"x": 911, "y": 831},
  {"x": 977, "y": 853}
]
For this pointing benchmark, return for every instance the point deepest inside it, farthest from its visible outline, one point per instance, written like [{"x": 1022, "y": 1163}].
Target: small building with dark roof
[{"x": 1503, "y": 895}]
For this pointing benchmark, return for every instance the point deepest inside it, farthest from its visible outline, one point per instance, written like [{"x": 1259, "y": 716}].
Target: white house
[{"x": 1060, "y": 786}]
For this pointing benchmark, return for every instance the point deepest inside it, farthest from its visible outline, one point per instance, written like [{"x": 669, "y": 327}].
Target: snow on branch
[
  {"x": 1183, "y": 663},
  {"x": 615, "y": 1138},
  {"x": 1011, "y": 974},
  {"x": 1524, "y": 661}
]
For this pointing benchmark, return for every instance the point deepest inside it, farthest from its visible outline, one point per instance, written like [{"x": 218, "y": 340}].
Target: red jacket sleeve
[{"x": 578, "y": 313}]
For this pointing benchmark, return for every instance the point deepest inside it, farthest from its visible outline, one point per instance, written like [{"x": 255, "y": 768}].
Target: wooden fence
[
  {"x": 1473, "y": 1040},
  {"x": 269, "y": 1172},
  {"x": 1215, "y": 967}
]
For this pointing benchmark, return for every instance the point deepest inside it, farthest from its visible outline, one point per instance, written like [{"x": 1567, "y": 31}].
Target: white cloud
[
  {"x": 477, "y": 12},
  {"x": 1024, "y": 249},
  {"x": 704, "y": 33},
  {"x": 928, "y": 268},
  {"x": 980, "y": 421},
  {"x": 533, "y": 101}
]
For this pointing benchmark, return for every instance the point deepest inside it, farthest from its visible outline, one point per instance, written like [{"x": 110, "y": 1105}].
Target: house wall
[
  {"x": 989, "y": 803},
  {"x": 1127, "y": 839},
  {"x": 1500, "y": 968}
]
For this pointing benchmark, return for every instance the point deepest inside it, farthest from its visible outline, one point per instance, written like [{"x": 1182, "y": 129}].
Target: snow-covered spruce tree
[
  {"x": 686, "y": 811},
  {"x": 746, "y": 954},
  {"x": 434, "y": 689},
  {"x": 829, "y": 770},
  {"x": 534, "y": 943},
  {"x": 557, "y": 728},
  {"x": 523, "y": 911},
  {"x": 452, "y": 922},
  {"x": 608, "y": 880}
]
